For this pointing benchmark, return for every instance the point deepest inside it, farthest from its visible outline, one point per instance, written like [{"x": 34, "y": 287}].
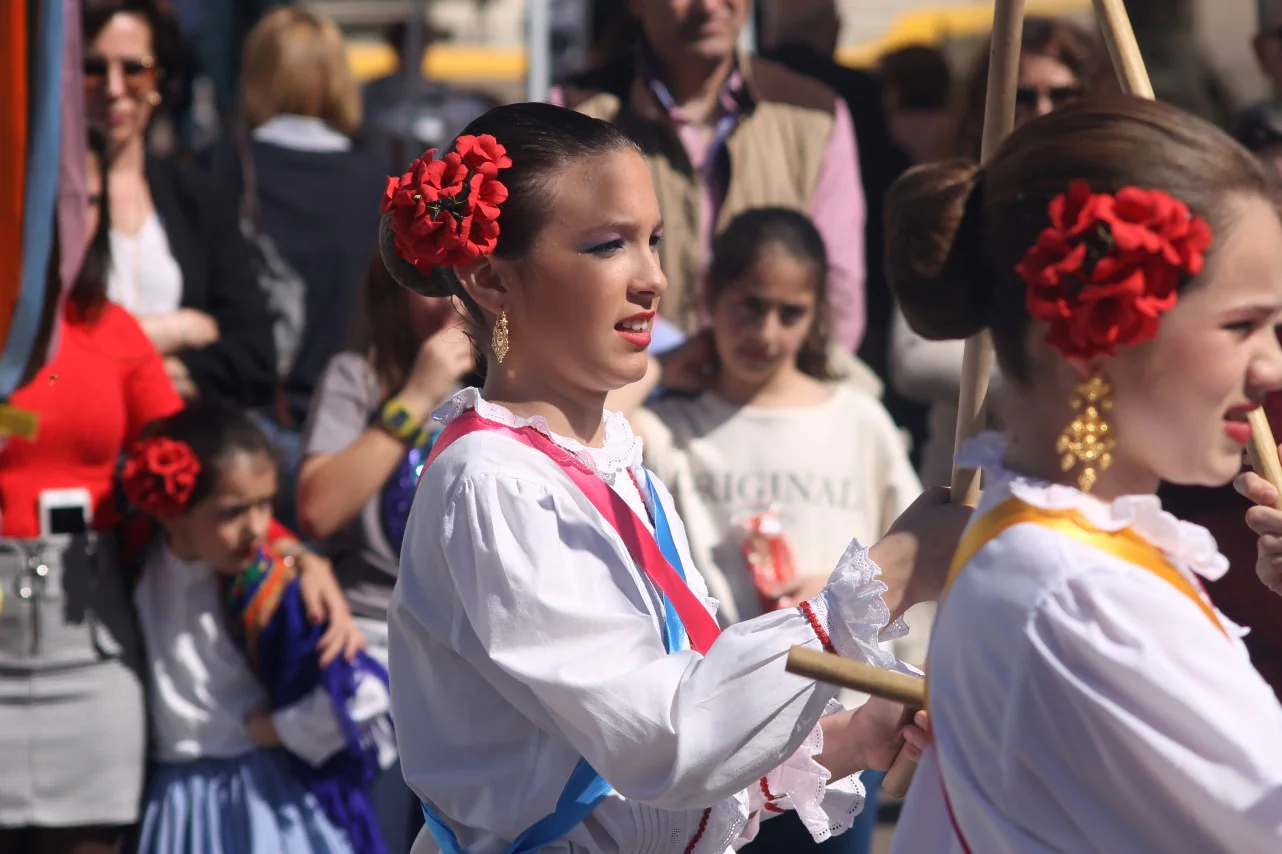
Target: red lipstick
[{"x": 1236, "y": 426}]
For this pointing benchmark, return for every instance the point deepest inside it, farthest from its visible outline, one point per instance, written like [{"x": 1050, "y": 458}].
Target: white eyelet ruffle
[
  {"x": 1190, "y": 547},
  {"x": 826, "y": 807},
  {"x": 621, "y": 451},
  {"x": 851, "y": 609}
]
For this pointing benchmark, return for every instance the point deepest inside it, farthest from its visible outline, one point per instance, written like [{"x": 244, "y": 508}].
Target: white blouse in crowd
[
  {"x": 201, "y": 689},
  {"x": 144, "y": 276},
  {"x": 1082, "y": 704},
  {"x": 523, "y": 637}
]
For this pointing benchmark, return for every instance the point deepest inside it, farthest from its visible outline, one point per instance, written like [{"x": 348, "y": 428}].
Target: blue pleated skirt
[{"x": 252, "y": 804}]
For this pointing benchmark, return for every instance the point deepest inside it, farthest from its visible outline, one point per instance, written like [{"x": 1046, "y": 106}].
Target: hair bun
[
  {"x": 406, "y": 274},
  {"x": 933, "y": 246}
]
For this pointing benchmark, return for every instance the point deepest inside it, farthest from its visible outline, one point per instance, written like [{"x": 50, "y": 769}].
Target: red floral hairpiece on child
[
  {"x": 159, "y": 476},
  {"x": 446, "y": 212},
  {"x": 1107, "y": 268}
]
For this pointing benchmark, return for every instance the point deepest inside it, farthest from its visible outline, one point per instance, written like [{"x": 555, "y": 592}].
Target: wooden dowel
[
  {"x": 1264, "y": 453},
  {"x": 999, "y": 118},
  {"x": 899, "y": 777},
  {"x": 1123, "y": 49},
  {"x": 857, "y": 676}
]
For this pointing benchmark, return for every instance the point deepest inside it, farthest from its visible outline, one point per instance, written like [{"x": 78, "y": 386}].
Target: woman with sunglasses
[
  {"x": 179, "y": 262},
  {"x": 1058, "y": 62}
]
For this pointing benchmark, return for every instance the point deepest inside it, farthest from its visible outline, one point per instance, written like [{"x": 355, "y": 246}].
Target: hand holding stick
[{"x": 835, "y": 670}]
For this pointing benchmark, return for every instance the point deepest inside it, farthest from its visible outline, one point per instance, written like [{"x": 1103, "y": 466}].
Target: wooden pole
[
  {"x": 857, "y": 676},
  {"x": 1128, "y": 64},
  {"x": 999, "y": 118}
]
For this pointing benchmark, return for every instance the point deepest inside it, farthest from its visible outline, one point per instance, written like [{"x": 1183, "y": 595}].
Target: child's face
[
  {"x": 761, "y": 321},
  {"x": 226, "y": 528}
]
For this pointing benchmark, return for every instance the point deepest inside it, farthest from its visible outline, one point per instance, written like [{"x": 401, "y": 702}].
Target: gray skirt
[{"x": 72, "y": 720}]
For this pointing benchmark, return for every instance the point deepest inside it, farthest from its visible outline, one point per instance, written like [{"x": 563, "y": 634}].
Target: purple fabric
[{"x": 837, "y": 207}]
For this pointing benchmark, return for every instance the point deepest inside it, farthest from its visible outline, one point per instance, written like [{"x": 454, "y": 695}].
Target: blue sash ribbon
[{"x": 585, "y": 788}]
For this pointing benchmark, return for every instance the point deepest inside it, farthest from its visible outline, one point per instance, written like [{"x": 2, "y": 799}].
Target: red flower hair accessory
[
  {"x": 1107, "y": 268},
  {"x": 159, "y": 476},
  {"x": 446, "y": 212}
]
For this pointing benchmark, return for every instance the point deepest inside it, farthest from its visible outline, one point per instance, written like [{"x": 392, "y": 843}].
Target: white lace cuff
[
  {"x": 826, "y": 807},
  {"x": 854, "y": 615}
]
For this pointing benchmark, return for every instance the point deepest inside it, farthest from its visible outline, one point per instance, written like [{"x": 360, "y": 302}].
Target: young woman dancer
[
  {"x": 559, "y": 680},
  {"x": 1085, "y": 694}
]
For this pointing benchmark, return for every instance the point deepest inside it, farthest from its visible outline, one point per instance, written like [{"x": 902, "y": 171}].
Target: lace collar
[
  {"x": 1189, "y": 546},
  {"x": 622, "y": 450}
]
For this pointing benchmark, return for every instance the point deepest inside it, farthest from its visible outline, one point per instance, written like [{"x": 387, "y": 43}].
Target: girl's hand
[
  {"x": 1266, "y": 522},
  {"x": 325, "y": 602},
  {"x": 262, "y": 729},
  {"x": 800, "y": 590},
  {"x": 917, "y": 551},
  {"x": 180, "y": 330},
  {"x": 691, "y": 366},
  {"x": 443, "y": 359},
  {"x": 881, "y": 733}
]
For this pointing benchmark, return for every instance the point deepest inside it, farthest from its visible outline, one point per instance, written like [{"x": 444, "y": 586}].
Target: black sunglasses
[
  {"x": 135, "y": 71},
  {"x": 1028, "y": 96}
]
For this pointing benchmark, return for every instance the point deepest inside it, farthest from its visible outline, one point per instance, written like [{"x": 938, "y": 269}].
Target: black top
[
  {"x": 321, "y": 209},
  {"x": 201, "y": 222}
]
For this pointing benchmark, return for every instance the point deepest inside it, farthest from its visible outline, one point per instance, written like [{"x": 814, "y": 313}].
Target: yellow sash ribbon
[{"x": 1124, "y": 544}]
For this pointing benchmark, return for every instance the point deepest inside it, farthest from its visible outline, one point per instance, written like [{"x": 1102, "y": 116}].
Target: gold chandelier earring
[
  {"x": 1087, "y": 441},
  {"x": 498, "y": 339}
]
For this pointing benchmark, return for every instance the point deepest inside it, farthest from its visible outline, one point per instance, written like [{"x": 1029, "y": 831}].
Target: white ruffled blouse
[
  {"x": 1081, "y": 703},
  {"x": 523, "y": 637}
]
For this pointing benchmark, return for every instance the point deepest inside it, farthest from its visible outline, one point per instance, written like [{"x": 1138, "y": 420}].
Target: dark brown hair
[
  {"x": 742, "y": 244},
  {"x": 541, "y": 140},
  {"x": 1060, "y": 40},
  {"x": 919, "y": 77},
  {"x": 385, "y": 336},
  {"x": 955, "y": 232},
  {"x": 216, "y": 430},
  {"x": 89, "y": 291},
  {"x": 166, "y": 37}
]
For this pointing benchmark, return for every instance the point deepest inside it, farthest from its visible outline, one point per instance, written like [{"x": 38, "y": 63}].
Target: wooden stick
[
  {"x": 835, "y": 670},
  {"x": 1123, "y": 50},
  {"x": 999, "y": 118},
  {"x": 1264, "y": 452}
]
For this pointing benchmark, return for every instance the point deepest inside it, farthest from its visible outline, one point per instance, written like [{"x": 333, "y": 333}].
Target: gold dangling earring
[
  {"x": 498, "y": 340},
  {"x": 1088, "y": 439},
  {"x": 153, "y": 98}
]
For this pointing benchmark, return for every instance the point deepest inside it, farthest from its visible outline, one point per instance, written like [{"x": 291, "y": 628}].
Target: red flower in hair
[
  {"x": 1108, "y": 266},
  {"x": 159, "y": 476},
  {"x": 445, "y": 212},
  {"x": 479, "y": 152}
]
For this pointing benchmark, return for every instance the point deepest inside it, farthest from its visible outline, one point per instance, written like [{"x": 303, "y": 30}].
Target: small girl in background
[
  {"x": 776, "y": 465},
  {"x": 261, "y": 746}
]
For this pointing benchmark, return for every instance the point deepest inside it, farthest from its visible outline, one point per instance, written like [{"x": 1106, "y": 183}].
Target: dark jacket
[
  {"x": 202, "y": 224},
  {"x": 321, "y": 209}
]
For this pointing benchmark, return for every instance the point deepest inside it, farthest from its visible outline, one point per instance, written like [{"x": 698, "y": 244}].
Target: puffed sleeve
[
  {"x": 1115, "y": 724},
  {"x": 540, "y": 585}
]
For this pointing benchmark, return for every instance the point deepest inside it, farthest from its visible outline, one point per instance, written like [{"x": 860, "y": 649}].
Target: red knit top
[{"x": 105, "y": 382}]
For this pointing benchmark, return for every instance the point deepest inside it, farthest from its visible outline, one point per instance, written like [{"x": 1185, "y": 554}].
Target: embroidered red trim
[
  {"x": 703, "y": 825},
  {"x": 820, "y": 631},
  {"x": 765, "y": 790}
]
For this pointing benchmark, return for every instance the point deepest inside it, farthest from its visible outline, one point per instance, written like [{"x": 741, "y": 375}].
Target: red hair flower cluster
[
  {"x": 1108, "y": 266},
  {"x": 446, "y": 212},
  {"x": 159, "y": 476}
]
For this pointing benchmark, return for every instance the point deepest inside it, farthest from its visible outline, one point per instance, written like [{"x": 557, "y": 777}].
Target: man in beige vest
[{"x": 725, "y": 131}]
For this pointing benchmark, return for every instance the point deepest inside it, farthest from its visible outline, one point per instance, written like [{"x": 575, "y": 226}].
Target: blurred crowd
[{"x": 789, "y": 406}]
